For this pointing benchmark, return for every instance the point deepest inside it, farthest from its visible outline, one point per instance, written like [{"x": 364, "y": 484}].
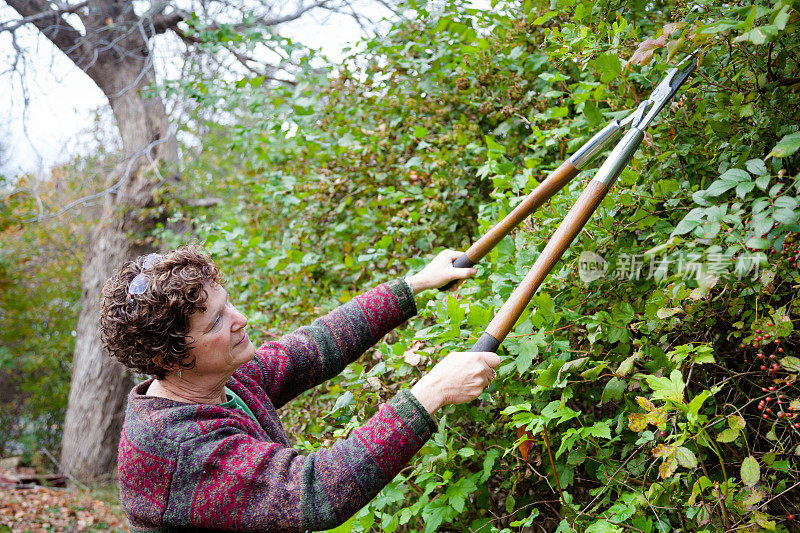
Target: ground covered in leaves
[{"x": 40, "y": 509}]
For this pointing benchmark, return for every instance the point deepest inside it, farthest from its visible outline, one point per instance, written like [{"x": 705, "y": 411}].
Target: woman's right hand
[{"x": 458, "y": 378}]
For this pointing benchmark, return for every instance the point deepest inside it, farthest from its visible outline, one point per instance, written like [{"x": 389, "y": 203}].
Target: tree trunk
[
  {"x": 113, "y": 49},
  {"x": 99, "y": 385}
]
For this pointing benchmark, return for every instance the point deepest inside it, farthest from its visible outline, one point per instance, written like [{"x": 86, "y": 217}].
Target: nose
[{"x": 239, "y": 320}]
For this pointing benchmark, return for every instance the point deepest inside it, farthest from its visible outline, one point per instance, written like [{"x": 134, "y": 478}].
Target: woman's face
[{"x": 221, "y": 344}]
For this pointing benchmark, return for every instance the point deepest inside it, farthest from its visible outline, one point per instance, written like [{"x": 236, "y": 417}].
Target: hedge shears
[{"x": 635, "y": 123}]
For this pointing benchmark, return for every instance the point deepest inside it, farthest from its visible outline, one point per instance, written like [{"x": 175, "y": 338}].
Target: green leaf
[
  {"x": 454, "y": 311},
  {"x": 343, "y": 401},
  {"x": 786, "y": 146},
  {"x": 686, "y": 457},
  {"x": 667, "y": 388},
  {"x": 493, "y": 146},
  {"x": 434, "y": 515},
  {"x": 719, "y": 187},
  {"x": 549, "y": 375},
  {"x": 791, "y": 363},
  {"x": 728, "y": 435},
  {"x": 626, "y": 365},
  {"x": 457, "y": 493},
  {"x": 697, "y": 402},
  {"x": 762, "y": 182},
  {"x": 685, "y": 226},
  {"x": 756, "y": 167},
  {"x": 782, "y": 17},
  {"x": 528, "y": 351},
  {"x": 735, "y": 175},
  {"x": 736, "y": 422},
  {"x": 592, "y": 113},
  {"x": 743, "y": 188},
  {"x": 762, "y": 519},
  {"x": 755, "y": 36},
  {"x": 603, "y": 526},
  {"x": 750, "y": 471},
  {"x": 609, "y": 66},
  {"x": 613, "y": 390},
  {"x": 420, "y": 132},
  {"x": 488, "y": 464},
  {"x": 600, "y": 429}
]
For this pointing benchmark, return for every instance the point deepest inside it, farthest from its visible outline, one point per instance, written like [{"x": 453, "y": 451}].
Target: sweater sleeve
[
  {"x": 313, "y": 354},
  {"x": 245, "y": 484}
]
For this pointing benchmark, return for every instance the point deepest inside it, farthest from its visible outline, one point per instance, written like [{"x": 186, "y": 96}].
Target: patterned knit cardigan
[{"x": 204, "y": 466}]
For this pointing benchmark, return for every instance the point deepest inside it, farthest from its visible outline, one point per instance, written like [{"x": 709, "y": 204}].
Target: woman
[{"x": 202, "y": 445}]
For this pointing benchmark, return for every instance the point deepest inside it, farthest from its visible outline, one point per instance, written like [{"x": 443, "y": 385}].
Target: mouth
[{"x": 241, "y": 341}]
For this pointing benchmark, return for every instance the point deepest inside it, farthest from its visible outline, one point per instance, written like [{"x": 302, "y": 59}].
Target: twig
[
  {"x": 553, "y": 464},
  {"x": 62, "y": 469}
]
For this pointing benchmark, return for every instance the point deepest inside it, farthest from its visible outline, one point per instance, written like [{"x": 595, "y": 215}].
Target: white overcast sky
[{"x": 55, "y": 122}]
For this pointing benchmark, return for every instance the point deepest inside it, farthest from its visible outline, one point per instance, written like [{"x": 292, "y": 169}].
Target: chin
[{"x": 250, "y": 351}]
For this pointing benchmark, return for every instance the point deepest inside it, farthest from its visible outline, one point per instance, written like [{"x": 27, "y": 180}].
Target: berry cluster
[
  {"x": 769, "y": 363},
  {"x": 775, "y": 405},
  {"x": 783, "y": 408},
  {"x": 790, "y": 253}
]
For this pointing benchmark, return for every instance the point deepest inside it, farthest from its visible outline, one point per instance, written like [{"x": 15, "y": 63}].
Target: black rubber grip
[
  {"x": 463, "y": 261},
  {"x": 486, "y": 343}
]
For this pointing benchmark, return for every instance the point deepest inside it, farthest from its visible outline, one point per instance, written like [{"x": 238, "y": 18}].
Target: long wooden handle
[
  {"x": 549, "y": 187},
  {"x": 570, "y": 227},
  {"x": 543, "y": 192}
]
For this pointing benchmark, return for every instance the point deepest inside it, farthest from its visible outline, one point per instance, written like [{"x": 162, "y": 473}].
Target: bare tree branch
[
  {"x": 61, "y": 10},
  {"x": 51, "y": 23}
]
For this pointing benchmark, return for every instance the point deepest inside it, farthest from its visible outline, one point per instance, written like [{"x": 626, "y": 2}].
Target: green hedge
[{"x": 630, "y": 402}]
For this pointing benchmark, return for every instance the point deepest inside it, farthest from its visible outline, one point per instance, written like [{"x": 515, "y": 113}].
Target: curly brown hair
[{"x": 149, "y": 332}]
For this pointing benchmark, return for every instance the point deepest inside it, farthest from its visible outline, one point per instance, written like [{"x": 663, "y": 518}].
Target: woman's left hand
[{"x": 439, "y": 272}]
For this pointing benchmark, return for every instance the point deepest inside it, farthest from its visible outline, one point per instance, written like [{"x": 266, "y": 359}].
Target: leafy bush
[
  {"x": 659, "y": 396},
  {"x": 40, "y": 262}
]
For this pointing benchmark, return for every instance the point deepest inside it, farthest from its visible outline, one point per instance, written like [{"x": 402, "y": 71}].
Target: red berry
[
  {"x": 758, "y": 331},
  {"x": 766, "y": 415},
  {"x": 763, "y": 389},
  {"x": 741, "y": 346},
  {"x": 767, "y": 336},
  {"x": 797, "y": 425},
  {"x": 775, "y": 366},
  {"x": 770, "y": 324},
  {"x": 663, "y": 433},
  {"x": 769, "y": 399},
  {"x": 769, "y": 410},
  {"x": 780, "y": 350},
  {"x": 772, "y": 388},
  {"x": 790, "y": 517},
  {"x": 763, "y": 367}
]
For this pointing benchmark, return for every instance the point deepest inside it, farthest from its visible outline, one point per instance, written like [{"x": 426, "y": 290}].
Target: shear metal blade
[{"x": 667, "y": 88}]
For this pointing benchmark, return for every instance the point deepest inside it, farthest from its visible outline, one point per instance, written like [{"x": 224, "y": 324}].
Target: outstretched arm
[{"x": 316, "y": 353}]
